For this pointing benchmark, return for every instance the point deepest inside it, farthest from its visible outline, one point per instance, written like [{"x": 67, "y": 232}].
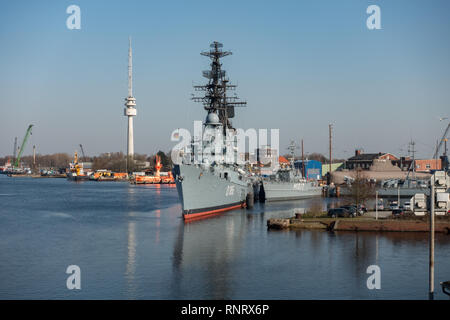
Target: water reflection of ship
[{"x": 206, "y": 250}]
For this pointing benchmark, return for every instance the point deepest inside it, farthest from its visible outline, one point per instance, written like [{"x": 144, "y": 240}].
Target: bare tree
[
  {"x": 315, "y": 208},
  {"x": 361, "y": 189}
]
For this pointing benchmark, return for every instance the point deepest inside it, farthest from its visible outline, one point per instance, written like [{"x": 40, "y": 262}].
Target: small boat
[
  {"x": 76, "y": 171},
  {"x": 159, "y": 177}
]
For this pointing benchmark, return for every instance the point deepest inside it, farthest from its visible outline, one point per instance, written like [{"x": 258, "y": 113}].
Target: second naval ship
[
  {"x": 288, "y": 183},
  {"x": 206, "y": 183}
]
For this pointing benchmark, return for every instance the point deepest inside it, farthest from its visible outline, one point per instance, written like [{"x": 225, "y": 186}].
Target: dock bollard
[
  {"x": 256, "y": 192},
  {"x": 262, "y": 194},
  {"x": 249, "y": 200}
]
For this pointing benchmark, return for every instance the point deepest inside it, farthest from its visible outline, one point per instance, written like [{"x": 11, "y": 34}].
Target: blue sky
[{"x": 300, "y": 65}]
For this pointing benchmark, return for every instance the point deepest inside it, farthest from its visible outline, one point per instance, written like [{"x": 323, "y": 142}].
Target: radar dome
[{"x": 212, "y": 118}]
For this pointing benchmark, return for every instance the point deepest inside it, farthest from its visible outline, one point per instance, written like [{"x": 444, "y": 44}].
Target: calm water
[{"x": 131, "y": 243}]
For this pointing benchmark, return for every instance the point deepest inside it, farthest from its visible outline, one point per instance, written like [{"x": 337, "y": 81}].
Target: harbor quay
[{"x": 384, "y": 223}]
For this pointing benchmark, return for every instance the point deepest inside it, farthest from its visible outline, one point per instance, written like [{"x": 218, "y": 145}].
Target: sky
[{"x": 300, "y": 65}]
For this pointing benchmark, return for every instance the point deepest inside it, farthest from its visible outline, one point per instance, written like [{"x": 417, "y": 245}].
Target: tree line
[{"x": 114, "y": 161}]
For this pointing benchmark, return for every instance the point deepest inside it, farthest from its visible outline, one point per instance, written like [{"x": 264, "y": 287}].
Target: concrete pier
[{"x": 360, "y": 224}]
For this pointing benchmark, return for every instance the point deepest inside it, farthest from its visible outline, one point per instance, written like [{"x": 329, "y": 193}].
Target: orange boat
[
  {"x": 157, "y": 178},
  {"x": 168, "y": 179},
  {"x": 146, "y": 179}
]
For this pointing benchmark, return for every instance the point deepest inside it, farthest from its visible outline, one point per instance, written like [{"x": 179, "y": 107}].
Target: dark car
[
  {"x": 362, "y": 208},
  {"x": 398, "y": 212},
  {"x": 352, "y": 210},
  {"x": 339, "y": 212}
]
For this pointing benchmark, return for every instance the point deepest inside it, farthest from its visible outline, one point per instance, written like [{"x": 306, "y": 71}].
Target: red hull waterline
[{"x": 199, "y": 215}]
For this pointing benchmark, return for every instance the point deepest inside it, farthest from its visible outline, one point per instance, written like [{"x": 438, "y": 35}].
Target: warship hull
[
  {"x": 204, "y": 192},
  {"x": 280, "y": 191}
]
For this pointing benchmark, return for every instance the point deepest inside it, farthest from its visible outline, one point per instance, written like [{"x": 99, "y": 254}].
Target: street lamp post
[
  {"x": 376, "y": 205},
  {"x": 431, "y": 253}
]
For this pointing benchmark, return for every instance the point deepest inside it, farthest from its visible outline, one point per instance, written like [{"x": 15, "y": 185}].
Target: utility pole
[
  {"x": 376, "y": 205},
  {"x": 412, "y": 151},
  {"x": 34, "y": 158},
  {"x": 303, "y": 162},
  {"x": 431, "y": 257},
  {"x": 329, "y": 168},
  {"x": 14, "y": 151},
  {"x": 436, "y": 158},
  {"x": 439, "y": 205}
]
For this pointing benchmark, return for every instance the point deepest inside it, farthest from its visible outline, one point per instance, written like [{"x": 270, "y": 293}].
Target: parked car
[
  {"x": 394, "y": 205},
  {"x": 351, "y": 209},
  {"x": 339, "y": 212},
  {"x": 398, "y": 212},
  {"x": 348, "y": 207},
  {"x": 362, "y": 208},
  {"x": 407, "y": 205}
]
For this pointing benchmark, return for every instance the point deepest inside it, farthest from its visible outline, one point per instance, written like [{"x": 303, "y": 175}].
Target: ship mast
[
  {"x": 292, "y": 148},
  {"x": 215, "y": 99}
]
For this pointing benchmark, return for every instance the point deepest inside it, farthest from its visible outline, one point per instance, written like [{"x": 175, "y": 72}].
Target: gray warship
[
  {"x": 289, "y": 184},
  {"x": 206, "y": 183}
]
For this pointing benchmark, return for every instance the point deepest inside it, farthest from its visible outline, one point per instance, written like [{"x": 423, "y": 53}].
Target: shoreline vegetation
[{"x": 114, "y": 161}]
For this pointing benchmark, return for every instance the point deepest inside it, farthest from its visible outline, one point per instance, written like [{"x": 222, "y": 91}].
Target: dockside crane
[
  {"x": 22, "y": 147},
  {"x": 444, "y": 136},
  {"x": 82, "y": 152}
]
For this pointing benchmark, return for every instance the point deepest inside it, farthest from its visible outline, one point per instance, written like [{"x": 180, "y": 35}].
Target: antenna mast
[
  {"x": 411, "y": 150},
  {"x": 215, "y": 99},
  {"x": 130, "y": 69}
]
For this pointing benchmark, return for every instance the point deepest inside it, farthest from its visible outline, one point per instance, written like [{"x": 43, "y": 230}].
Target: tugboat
[
  {"x": 7, "y": 168},
  {"x": 287, "y": 183},
  {"x": 158, "y": 178},
  {"x": 76, "y": 171},
  {"x": 206, "y": 183}
]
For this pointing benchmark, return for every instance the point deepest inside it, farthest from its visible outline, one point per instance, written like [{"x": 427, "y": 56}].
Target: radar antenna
[{"x": 215, "y": 99}]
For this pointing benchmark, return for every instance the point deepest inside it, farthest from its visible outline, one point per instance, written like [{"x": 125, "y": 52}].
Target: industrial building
[
  {"x": 313, "y": 168},
  {"x": 334, "y": 167},
  {"x": 428, "y": 165},
  {"x": 365, "y": 161}
]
